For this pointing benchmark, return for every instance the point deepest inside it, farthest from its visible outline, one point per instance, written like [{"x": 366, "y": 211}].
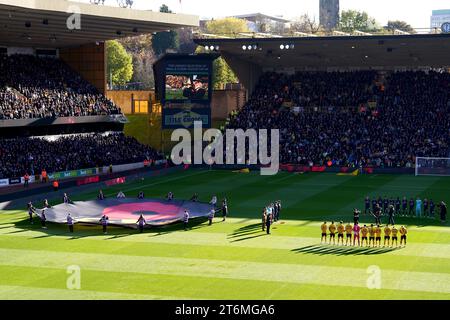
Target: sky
[{"x": 416, "y": 12}]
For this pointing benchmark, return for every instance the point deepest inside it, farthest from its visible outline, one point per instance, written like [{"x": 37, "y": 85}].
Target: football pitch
[{"x": 234, "y": 259}]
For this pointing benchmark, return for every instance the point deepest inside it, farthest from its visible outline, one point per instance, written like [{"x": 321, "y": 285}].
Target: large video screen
[
  {"x": 187, "y": 87},
  {"x": 184, "y": 79}
]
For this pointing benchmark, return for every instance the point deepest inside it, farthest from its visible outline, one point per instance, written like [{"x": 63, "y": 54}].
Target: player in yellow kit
[
  {"x": 364, "y": 231},
  {"x": 387, "y": 235},
  {"x": 348, "y": 231},
  {"x": 371, "y": 235},
  {"x": 332, "y": 229},
  {"x": 341, "y": 230},
  {"x": 403, "y": 233},
  {"x": 324, "y": 229},
  {"x": 394, "y": 236},
  {"x": 378, "y": 235}
]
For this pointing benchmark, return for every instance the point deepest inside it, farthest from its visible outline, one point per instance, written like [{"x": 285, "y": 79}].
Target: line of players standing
[
  {"x": 270, "y": 214},
  {"x": 403, "y": 207}
]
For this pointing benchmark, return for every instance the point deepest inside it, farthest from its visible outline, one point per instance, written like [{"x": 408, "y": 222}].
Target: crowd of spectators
[
  {"x": 352, "y": 118},
  {"x": 39, "y": 87},
  {"x": 32, "y": 155}
]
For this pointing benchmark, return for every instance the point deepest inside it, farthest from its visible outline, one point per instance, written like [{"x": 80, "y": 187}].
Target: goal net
[{"x": 432, "y": 166}]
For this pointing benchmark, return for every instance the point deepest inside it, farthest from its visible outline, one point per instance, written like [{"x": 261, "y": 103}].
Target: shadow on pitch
[
  {"x": 342, "y": 250},
  {"x": 245, "y": 231},
  {"x": 86, "y": 231}
]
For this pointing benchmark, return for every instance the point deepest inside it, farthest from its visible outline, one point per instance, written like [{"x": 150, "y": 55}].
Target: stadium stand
[
  {"x": 31, "y": 155},
  {"x": 38, "y": 87},
  {"x": 352, "y": 118}
]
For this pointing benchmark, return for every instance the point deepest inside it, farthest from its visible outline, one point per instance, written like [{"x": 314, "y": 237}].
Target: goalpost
[{"x": 428, "y": 166}]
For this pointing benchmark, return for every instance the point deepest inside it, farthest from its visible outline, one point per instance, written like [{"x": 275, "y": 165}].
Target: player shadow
[
  {"x": 248, "y": 238},
  {"x": 245, "y": 231},
  {"x": 342, "y": 250},
  {"x": 154, "y": 231}
]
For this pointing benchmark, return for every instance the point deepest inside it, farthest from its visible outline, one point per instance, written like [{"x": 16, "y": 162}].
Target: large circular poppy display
[{"x": 126, "y": 211}]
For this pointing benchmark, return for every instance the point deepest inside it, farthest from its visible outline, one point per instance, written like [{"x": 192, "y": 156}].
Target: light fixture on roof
[
  {"x": 211, "y": 48},
  {"x": 286, "y": 46},
  {"x": 244, "y": 47},
  {"x": 207, "y": 48},
  {"x": 216, "y": 48}
]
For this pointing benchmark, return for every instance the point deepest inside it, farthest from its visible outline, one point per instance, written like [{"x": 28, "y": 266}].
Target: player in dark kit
[
  {"x": 367, "y": 205},
  {"x": 385, "y": 205},
  {"x": 391, "y": 213},
  {"x": 377, "y": 214},
  {"x": 374, "y": 205},
  {"x": 268, "y": 223},
  {"x": 397, "y": 204},
  {"x": 411, "y": 207},
  {"x": 380, "y": 202},
  {"x": 425, "y": 207},
  {"x": 404, "y": 206},
  {"x": 432, "y": 207}
]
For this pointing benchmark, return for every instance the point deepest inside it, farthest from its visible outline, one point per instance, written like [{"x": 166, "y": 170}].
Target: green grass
[{"x": 235, "y": 259}]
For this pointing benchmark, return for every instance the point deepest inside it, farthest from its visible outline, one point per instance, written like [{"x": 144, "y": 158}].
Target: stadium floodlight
[
  {"x": 287, "y": 47},
  {"x": 216, "y": 48},
  {"x": 255, "y": 47},
  {"x": 249, "y": 47},
  {"x": 244, "y": 47},
  {"x": 207, "y": 48},
  {"x": 211, "y": 48},
  {"x": 429, "y": 166},
  {"x": 282, "y": 46}
]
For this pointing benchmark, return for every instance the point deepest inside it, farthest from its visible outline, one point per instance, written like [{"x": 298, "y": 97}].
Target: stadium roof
[
  {"x": 260, "y": 16},
  {"x": 43, "y": 23},
  {"x": 339, "y": 51}
]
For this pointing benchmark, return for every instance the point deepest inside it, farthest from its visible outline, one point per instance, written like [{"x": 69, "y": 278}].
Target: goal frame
[{"x": 416, "y": 169}]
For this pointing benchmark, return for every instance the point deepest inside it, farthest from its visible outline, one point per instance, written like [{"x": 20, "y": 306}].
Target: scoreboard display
[{"x": 184, "y": 87}]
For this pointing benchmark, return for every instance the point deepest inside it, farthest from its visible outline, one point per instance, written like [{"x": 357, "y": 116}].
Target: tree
[
  {"x": 140, "y": 48},
  {"x": 352, "y": 20},
  {"x": 306, "y": 24},
  {"x": 399, "y": 25},
  {"x": 119, "y": 63},
  {"x": 165, "y": 40},
  {"x": 222, "y": 73},
  {"x": 221, "y": 70},
  {"x": 226, "y": 26}
]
